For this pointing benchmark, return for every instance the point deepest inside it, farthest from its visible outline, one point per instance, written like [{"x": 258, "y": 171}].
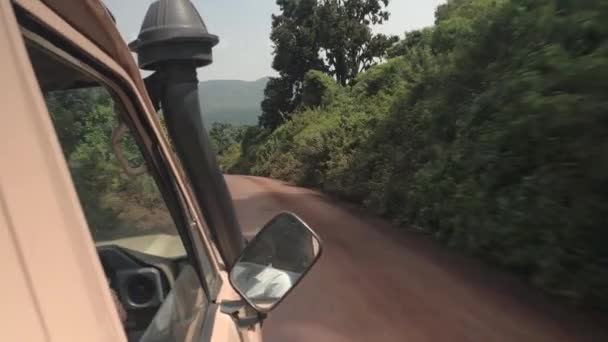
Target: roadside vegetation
[
  {"x": 115, "y": 205},
  {"x": 226, "y": 140},
  {"x": 488, "y": 131}
]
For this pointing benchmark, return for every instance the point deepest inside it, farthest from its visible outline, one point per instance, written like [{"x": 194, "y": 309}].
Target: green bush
[
  {"x": 84, "y": 120},
  {"x": 488, "y": 131}
]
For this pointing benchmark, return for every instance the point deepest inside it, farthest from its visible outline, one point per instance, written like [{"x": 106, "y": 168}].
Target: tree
[
  {"x": 296, "y": 50},
  {"x": 278, "y": 102},
  {"x": 347, "y": 42},
  {"x": 224, "y": 135},
  {"x": 332, "y": 36},
  {"x": 413, "y": 40}
]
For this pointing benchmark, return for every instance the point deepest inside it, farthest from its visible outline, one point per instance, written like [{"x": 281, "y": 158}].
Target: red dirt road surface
[{"x": 377, "y": 283}]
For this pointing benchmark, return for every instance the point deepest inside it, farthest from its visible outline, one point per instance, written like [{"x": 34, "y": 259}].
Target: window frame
[{"x": 134, "y": 116}]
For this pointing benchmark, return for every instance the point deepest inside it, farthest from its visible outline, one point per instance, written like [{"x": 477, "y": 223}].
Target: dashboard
[
  {"x": 163, "y": 298},
  {"x": 141, "y": 281}
]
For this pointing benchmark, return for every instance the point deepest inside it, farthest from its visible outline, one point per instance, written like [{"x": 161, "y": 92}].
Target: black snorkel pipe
[{"x": 174, "y": 42}]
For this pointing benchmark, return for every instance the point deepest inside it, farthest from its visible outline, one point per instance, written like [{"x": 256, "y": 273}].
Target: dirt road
[{"x": 377, "y": 283}]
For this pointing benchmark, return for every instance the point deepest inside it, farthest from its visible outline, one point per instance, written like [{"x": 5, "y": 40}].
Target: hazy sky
[{"x": 245, "y": 50}]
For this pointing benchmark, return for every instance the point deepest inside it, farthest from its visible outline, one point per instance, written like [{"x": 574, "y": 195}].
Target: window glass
[{"x": 120, "y": 208}]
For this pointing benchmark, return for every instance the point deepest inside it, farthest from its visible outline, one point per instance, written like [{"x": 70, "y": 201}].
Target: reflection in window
[{"x": 117, "y": 205}]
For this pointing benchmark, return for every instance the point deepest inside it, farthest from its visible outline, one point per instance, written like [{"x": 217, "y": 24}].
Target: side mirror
[{"x": 275, "y": 261}]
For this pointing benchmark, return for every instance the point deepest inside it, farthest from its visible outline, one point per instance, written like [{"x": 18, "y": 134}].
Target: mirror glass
[{"x": 275, "y": 261}]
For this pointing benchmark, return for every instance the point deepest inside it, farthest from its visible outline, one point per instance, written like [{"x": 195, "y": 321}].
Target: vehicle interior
[{"x": 144, "y": 283}]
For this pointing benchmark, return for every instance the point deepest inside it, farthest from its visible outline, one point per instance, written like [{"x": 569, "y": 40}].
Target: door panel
[
  {"x": 225, "y": 329},
  {"x": 49, "y": 231},
  {"x": 18, "y": 304}
]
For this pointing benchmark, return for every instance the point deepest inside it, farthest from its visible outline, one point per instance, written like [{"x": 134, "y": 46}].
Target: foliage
[
  {"x": 226, "y": 139},
  {"x": 229, "y": 158},
  {"x": 84, "y": 120},
  {"x": 252, "y": 139},
  {"x": 412, "y": 40},
  {"x": 278, "y": 103},
  {"x": 319, "y": 89},
  {"x": 347, "y": 42},
  {"x": 224, "y": 135},
  {"x": 333, "y": 36},
  {"x": 296, "y": 50},
  {"x": 488, "y": 131}
]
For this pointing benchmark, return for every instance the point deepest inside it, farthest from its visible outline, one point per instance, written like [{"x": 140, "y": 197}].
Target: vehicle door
[{"x": 143, "y": 250}]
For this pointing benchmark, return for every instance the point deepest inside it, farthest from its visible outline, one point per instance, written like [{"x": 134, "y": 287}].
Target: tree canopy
[{"x": 333, "y": 36}]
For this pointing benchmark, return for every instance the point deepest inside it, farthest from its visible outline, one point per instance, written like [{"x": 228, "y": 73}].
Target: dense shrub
[
  {"x": 113, "y": 202},
  {"x": 489, "y": 131}
]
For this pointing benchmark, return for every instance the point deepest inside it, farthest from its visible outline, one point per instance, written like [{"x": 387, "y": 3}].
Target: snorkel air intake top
[{"x": 173, "y": 31}]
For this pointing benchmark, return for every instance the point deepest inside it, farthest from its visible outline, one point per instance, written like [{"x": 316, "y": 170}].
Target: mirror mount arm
[
  {"x": 249, "y": 321},
  {"x": 232, "y": 309}
]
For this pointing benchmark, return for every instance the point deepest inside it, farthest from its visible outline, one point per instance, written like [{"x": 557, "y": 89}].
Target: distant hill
[{"x": 232, "y": 101}]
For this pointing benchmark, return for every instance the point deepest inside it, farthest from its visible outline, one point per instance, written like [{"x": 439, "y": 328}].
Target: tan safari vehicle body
[{"x": 62, "y": 278}]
